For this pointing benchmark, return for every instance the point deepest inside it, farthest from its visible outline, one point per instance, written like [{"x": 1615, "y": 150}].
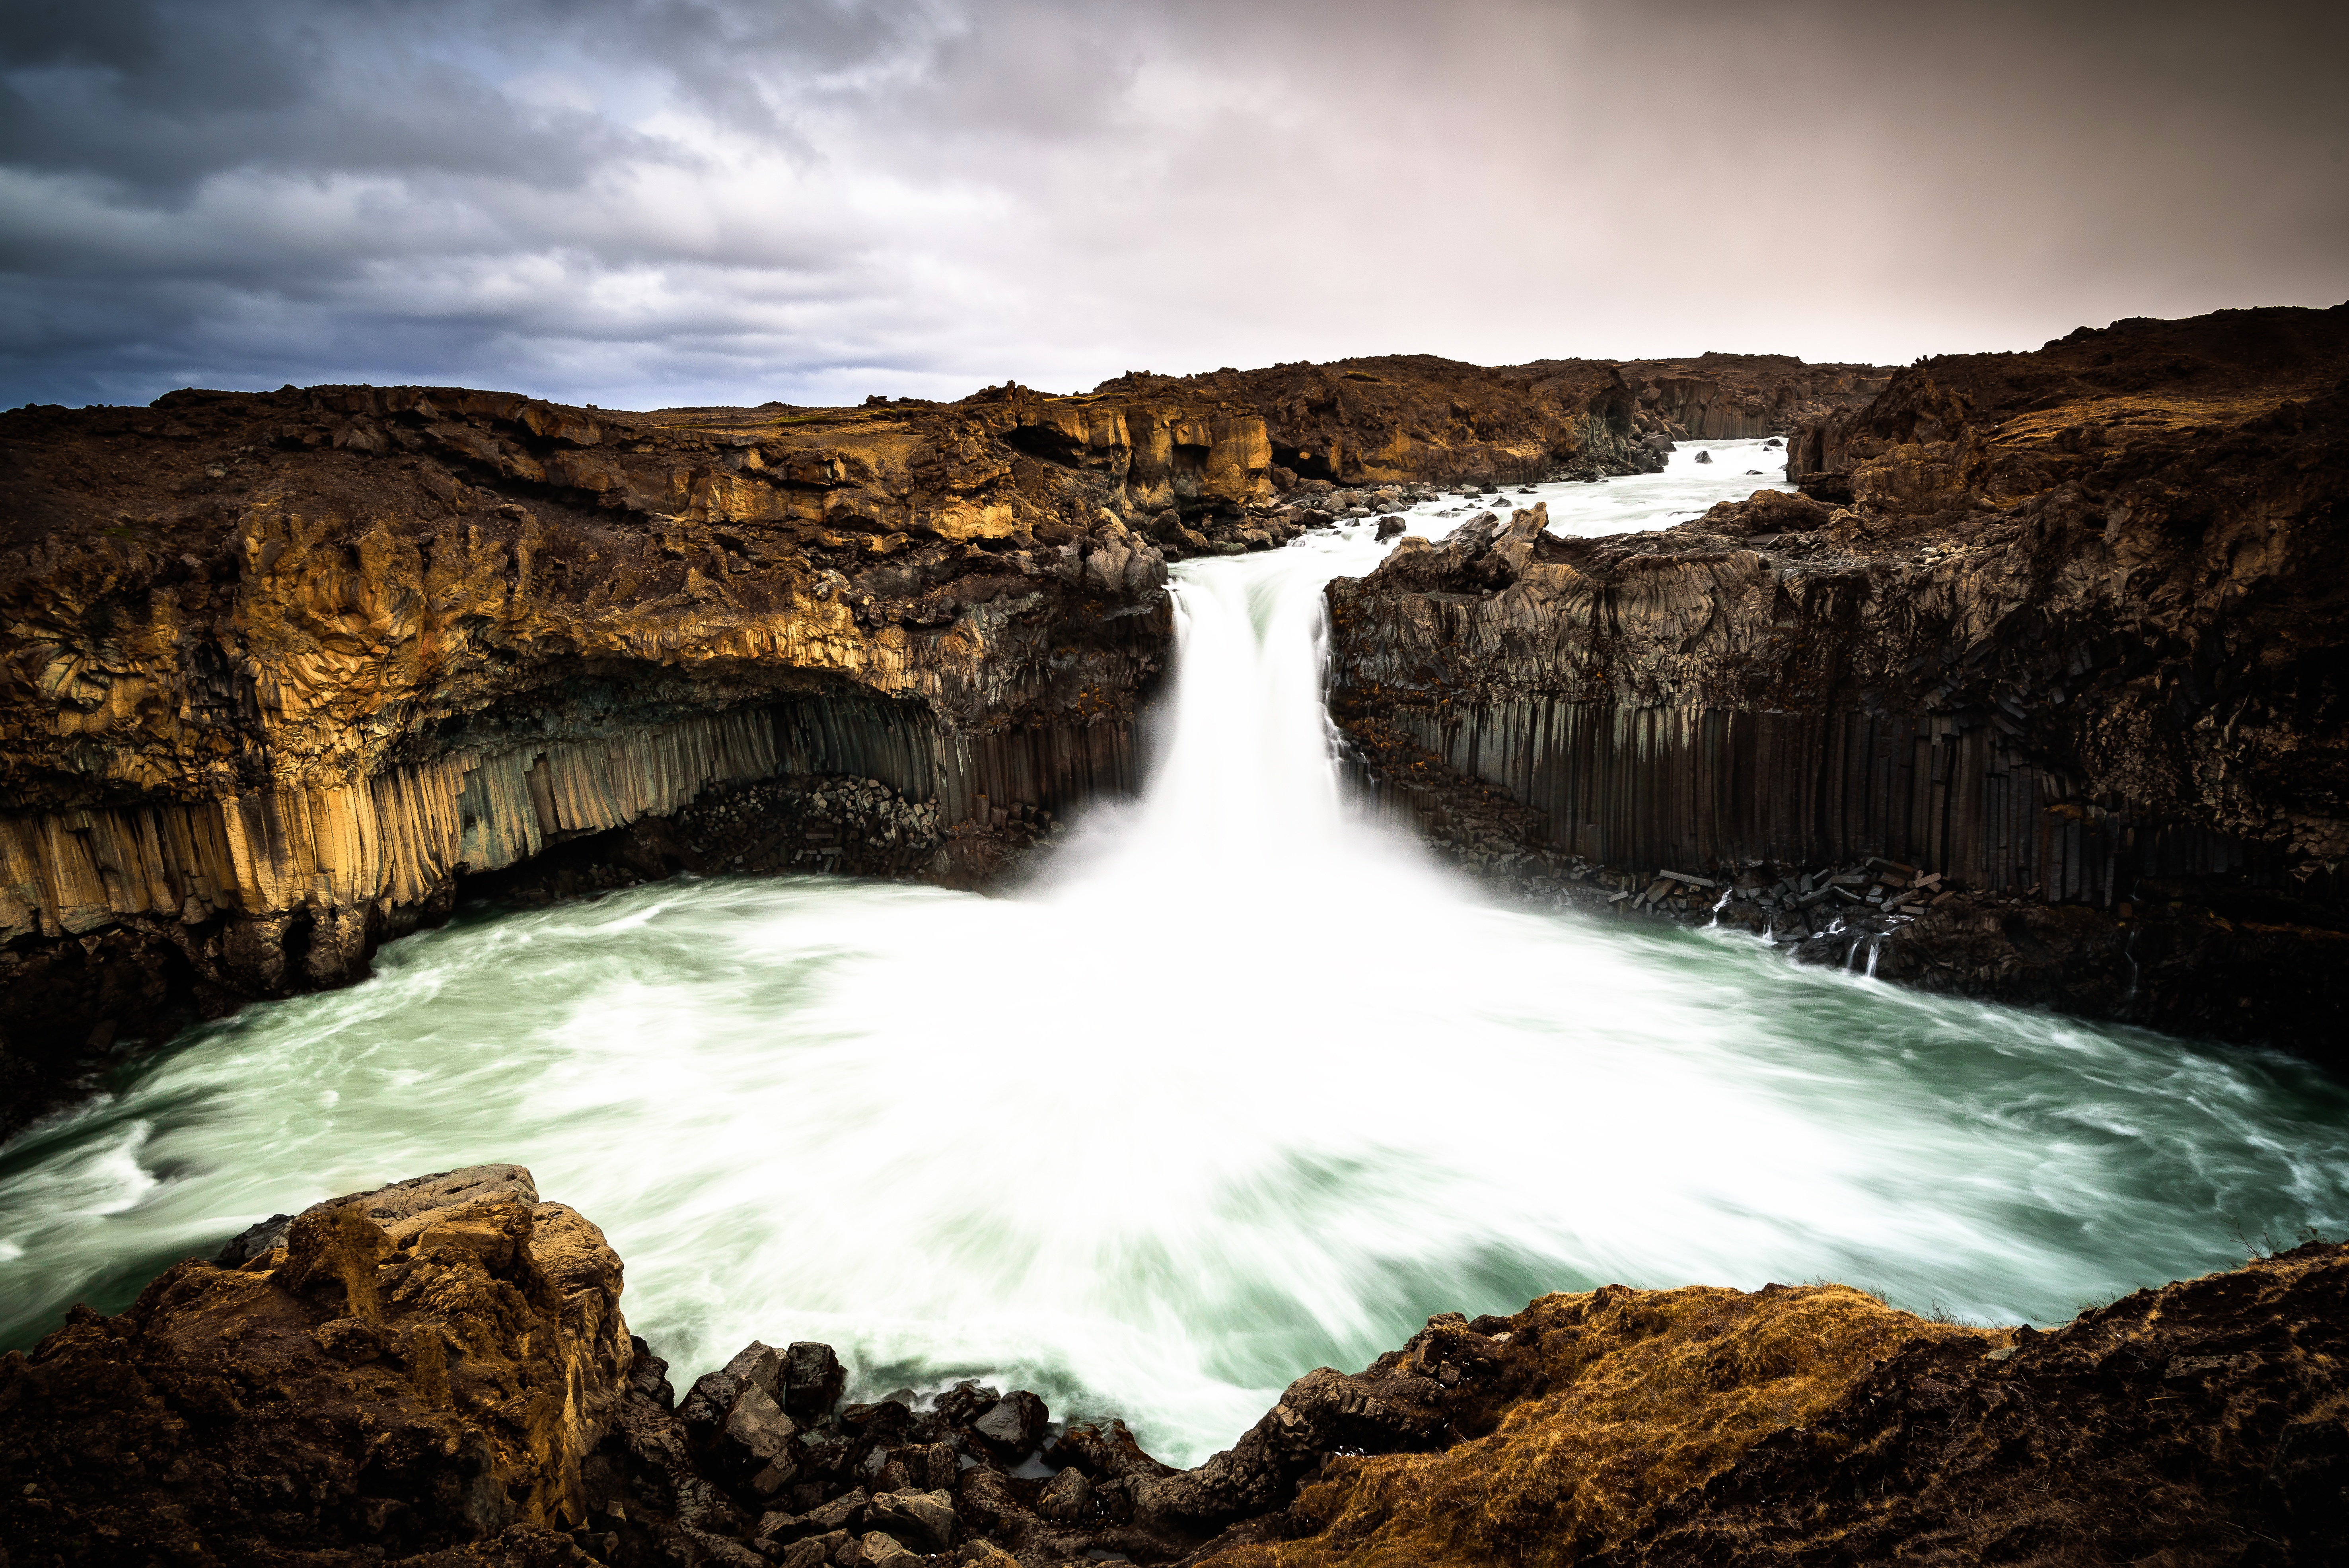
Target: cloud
[{"x": 645, "y": 201}]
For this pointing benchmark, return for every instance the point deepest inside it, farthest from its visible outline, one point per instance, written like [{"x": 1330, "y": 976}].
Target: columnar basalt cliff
[
  {"x": 2062, "y": 631},
  {"x": 281, "y": 669},
  {"x": 437, "y": 1373}
]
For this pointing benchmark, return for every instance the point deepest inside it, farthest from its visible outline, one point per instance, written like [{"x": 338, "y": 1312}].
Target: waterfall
[{"x": 1246, "y": 1085}]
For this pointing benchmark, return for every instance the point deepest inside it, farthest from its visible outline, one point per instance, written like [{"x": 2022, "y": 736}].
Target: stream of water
[{"x": 1246, "y": 1085}]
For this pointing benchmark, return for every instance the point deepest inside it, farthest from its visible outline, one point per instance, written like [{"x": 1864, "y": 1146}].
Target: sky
[{"x": 641, "y": 203}]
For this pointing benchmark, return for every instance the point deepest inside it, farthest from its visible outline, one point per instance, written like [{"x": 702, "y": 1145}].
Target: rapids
[{"x": 1245, "y": 1085}]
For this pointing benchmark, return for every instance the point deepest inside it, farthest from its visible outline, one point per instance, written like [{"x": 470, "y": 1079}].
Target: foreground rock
[
  {"x": 437, "y": 1373},
  {"x": 2062, "y": 630}
]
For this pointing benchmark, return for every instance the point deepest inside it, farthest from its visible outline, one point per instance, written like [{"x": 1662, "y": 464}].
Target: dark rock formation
[
  {"x": 1722, "y": 396},
  {"x": 283, "y": 669},
  {"x": 286, "y": 674},
  {"x": 1415, "y": 418},
  {"x": 2075, "y": 647},
  {"x": 437, "y": 1373}
]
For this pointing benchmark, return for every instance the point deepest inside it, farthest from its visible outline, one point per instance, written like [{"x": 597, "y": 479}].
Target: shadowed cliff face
[
  {"x": 1722, "y": 396},
  {"x": 438, "y": 1372},
  {"x": 281, "y": 668},
  {"x": 2066, "y": 628}
]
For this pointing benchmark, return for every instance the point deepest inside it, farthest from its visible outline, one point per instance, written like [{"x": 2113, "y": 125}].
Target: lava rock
[
  {"x": 812, "y": 1379},
  {"x": 1391, "y": 526},
  {"x": 1067, "y": 1498},
  {"x": 713, "y": 1394},
  {"x": 1013, "y": 1424},
  {"x": 922, "y": 1520}
]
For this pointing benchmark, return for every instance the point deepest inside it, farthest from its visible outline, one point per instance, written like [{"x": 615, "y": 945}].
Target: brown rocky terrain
[
  {"x": 438, "y": 1374},
  {"x": 2038, "y": 689},
  {"x": 281, "y": 673},
  {"x": 1720, "y": 397}
]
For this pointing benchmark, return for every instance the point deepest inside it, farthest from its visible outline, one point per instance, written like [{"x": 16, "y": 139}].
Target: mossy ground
[{"x": 1641, "y": 1395}]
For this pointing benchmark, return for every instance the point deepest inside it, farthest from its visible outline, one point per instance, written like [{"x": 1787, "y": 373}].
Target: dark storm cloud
[{"x": 640, "y": 201}]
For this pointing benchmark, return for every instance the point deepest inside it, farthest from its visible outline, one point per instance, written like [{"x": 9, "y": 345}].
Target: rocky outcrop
[
  {"x": 1414, "y": 418},
  {"x": 436, "y": 1361},
  {"x": 1722, "y": 396},
  {"x": 281, "y": 671},
  {"x": 283, "y": 674},
  {"x": 2073, "y": 649},
  {"x": 437, "y": 1373}
]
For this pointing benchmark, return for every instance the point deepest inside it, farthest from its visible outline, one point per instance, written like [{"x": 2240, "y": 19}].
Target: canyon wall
[
  {"x": 1727, "y": 396},
  {"x": 2075, "y": 636},
  {"x": 280, "y": 670}
]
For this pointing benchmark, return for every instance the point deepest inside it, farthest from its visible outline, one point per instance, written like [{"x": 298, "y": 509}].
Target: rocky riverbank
[
  {"x": 287, "y": 673},
  {"x": 439, "y": 1373},
  {"x": 2055, "y": 637}
]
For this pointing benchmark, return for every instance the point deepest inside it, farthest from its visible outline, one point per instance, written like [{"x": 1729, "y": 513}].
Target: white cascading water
[{"x": 1245, "y": 1087}]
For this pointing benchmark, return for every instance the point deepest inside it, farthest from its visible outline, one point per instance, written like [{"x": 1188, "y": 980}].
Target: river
[{"x": 1244, "y": 1086}]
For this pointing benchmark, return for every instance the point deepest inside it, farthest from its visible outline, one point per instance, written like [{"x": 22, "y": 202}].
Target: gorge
[{"x": 1236, "y": 1080}]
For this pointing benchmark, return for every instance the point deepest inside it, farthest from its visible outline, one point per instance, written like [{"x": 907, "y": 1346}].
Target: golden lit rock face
[
  {"x": 443, "y": 1376},
  {"x": 1634, "y": 1397}
]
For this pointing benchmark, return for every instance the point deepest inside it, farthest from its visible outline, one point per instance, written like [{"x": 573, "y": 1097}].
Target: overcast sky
[{"x": 647, "y": 203}]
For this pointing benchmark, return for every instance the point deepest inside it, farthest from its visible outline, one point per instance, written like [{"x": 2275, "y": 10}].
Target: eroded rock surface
[
  {"x": 437, "y": 1373},
  {"x": 429, "y": 1362},
  {"x": 2064, "y": 630},
  {"x": 280, "y": 670}
]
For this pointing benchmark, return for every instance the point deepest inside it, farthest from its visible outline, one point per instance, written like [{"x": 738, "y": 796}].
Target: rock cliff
[
  {"x": 2059, "y": 636},
  {"x": 281, "y": 672},
  {"x": 1723, "y": 397},
  {"x": 280, "y": 669},
  {"x": 437, "y": 1373}
]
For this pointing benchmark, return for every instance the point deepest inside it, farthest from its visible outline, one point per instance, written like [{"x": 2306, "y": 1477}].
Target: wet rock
[
  {"x": 1014, "y": 1424},
  {"x": 1067, "y": 1498},
  {"x": 1704, "y": 456},
  {"x": 1391, "y": 526},
  {"x": 923, "y": 1520},
  {"x": 812, "y": 1380},
  {"x": 961, "y": 1404},
  {"x": 1108, "y": 1450},
  {"x": 713, "y": 1394}
]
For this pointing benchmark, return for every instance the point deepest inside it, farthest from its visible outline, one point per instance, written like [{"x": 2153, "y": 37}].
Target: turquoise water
[{"x": 1245, "y": 1087}]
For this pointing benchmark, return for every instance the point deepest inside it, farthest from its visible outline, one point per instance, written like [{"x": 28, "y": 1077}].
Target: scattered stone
[
  {"x": 814, "y": 1379},
  {"x": 922, "y": 1520},
  {"x": 1013, "y": 1424},
  {"x": 1067, "y": 1498}
]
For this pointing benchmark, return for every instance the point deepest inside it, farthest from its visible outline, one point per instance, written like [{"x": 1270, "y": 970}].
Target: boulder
[
  {"x": 1704, "y": 456},
  {"x": 1391, "y": 526},
  {"x": 1109, "y": 1452},
  {"x": 1013, "y": 1425},
  {"x": 1067, "y": 1498},
  {"x": 922, "y": 1520},
  {"x": 713, "y": 1394},
  {"x": 812, "y": 1380}
]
